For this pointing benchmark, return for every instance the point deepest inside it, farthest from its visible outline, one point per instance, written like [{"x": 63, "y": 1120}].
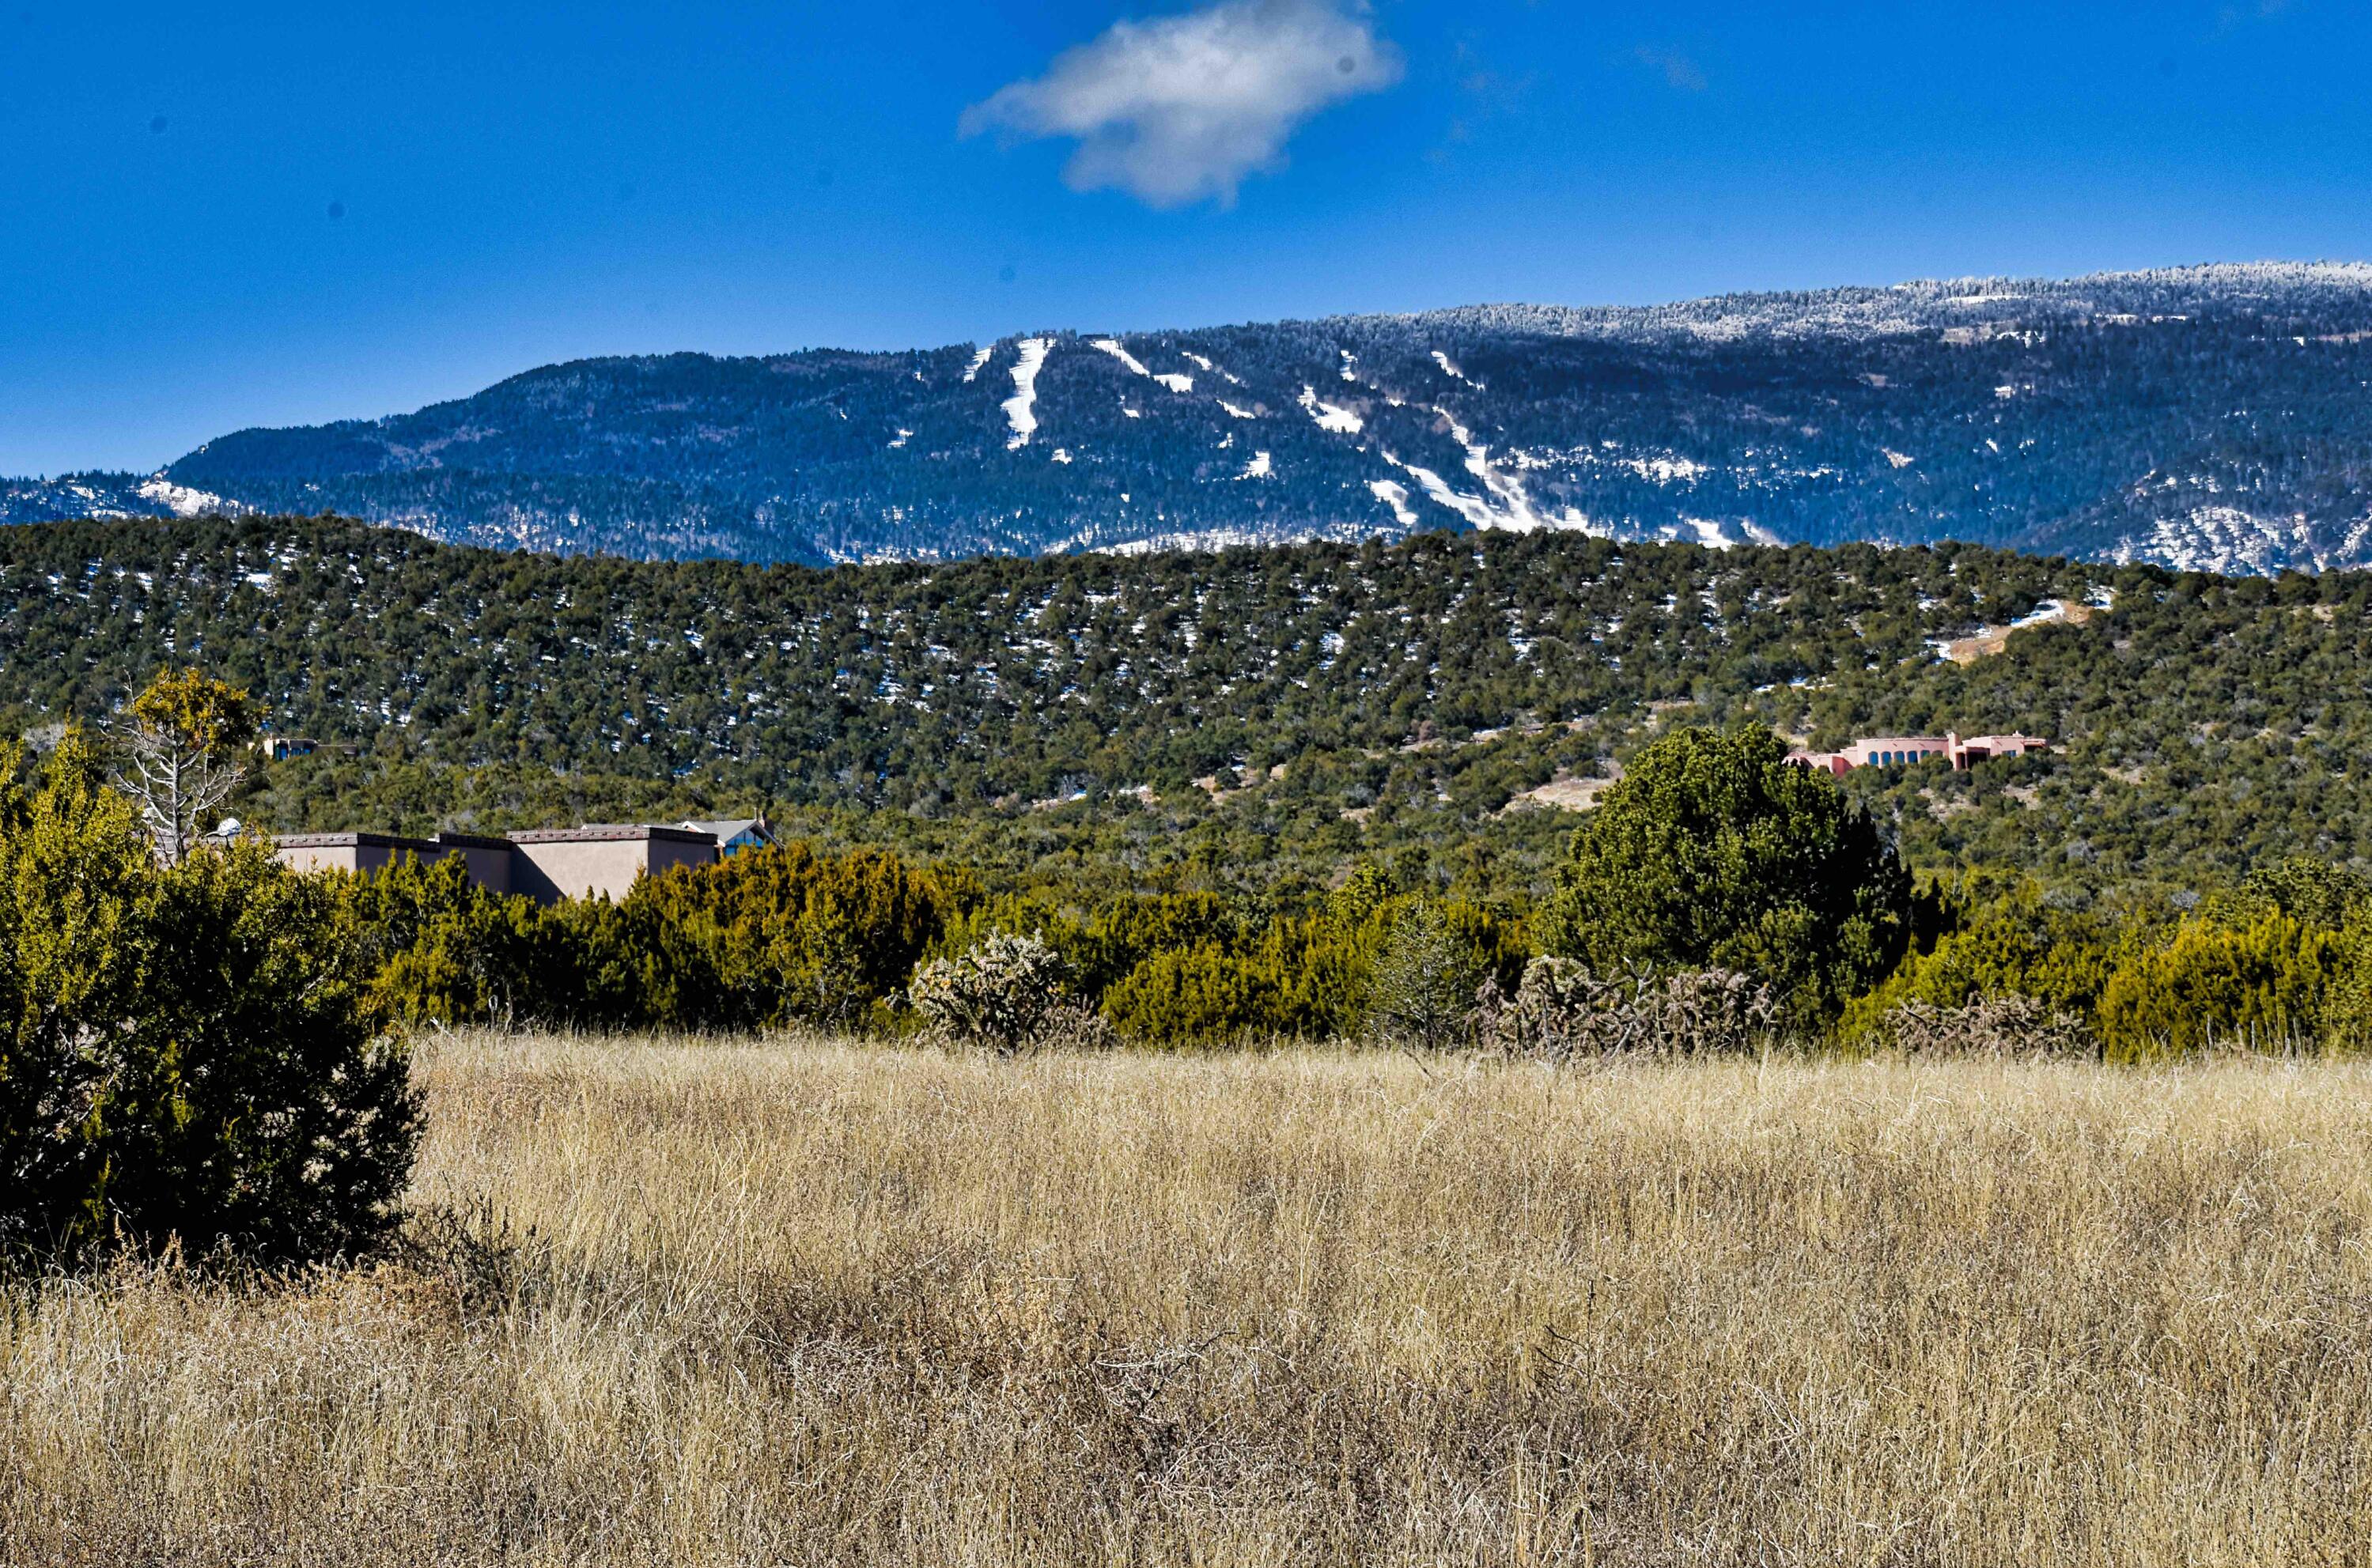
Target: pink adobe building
[{"x": 1901, "y": 750}]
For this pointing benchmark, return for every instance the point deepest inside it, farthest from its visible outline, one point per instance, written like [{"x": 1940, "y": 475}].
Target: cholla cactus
[
  {"x": 1000, "y": 993},
  {"x": 1561, "y": 1011},
  {"x": 2004, "y": 1025},
  {"x": 1715, "y": 1013},
  {"x": 1075, "y": 1028}
]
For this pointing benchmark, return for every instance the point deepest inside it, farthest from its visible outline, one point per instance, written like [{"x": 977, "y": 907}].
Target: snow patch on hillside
[
  {"x": 1452, "y": 370},
  {"x": 1665, "y": 471},
  {"x": 977, "y": 361},
  {"x": 1259, "y": 468},
  {"x": 1205, "y": 364},
  {"x": 1112, "y": 346},
  {"x": 1203, "y": 538},
  {"x": 1437, "y": 489},
  {"x": 1504, "y": 488},
  {"x": 1238, "y": 413},
  {"x": 2226, "y": 540},
  {"x": 1393, "y": 493},
  {"x": 1022, "y": 408},
  {"x": 1341, "y": 421},
  {"x": 184, "y": 502},
  {"x": 1169, "y": 378}
]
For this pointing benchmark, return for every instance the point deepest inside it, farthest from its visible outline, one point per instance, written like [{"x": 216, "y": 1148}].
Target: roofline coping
[{"x": 603, "y": 832}]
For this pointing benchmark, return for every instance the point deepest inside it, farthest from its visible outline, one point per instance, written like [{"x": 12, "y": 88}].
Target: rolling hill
[{"x": 1243, "y": 715}]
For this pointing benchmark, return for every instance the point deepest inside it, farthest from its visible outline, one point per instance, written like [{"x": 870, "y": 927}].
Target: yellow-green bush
[{"x": 2262, "y": 986}]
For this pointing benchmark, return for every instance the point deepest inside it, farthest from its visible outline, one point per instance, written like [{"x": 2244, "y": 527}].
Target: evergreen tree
[
  {"x": 1715, "y": 853},
  {"x": 186, "y": 1052}
]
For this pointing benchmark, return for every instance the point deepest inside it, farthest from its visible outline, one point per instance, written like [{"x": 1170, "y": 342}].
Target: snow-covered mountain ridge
[{"x": 2215, "y": 417}]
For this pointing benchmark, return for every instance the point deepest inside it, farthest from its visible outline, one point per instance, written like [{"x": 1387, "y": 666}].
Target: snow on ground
[
  {"x": 1259, "y": 468},
  {"x": 1171, "y": 379},
  {"x": 1990, "y": 640},
  {"x": 1452, "y": 371},
  {"x": 1504, "y": 488},
  {"x": 1710, "y": 534},
  {"x": 1111, "y": 346},
  {"x": 184, "y": 502},
  {"x": 1761, "y": 535},
  {"x": 1197, "y": 539},
  {"x": 1349, "y": 361},
  {"x": 1022, "y": 408},
  {"x": 1213, "y": 369},
  {"x": 1062, "y": 454},
  {"x": 904, "y": 435},
  {"x": 1341, "y": 421},
  {"x": 2226, "y": 540},
  {"x": 1437, "y": 489},
  {"x": 1899, "y": 460},
  {"x": 1665, "y": 471},
  {"x": 977, "y": 361},
  {"x": 1238, "y": 413},
  {"x": 1393, "y": 493}
]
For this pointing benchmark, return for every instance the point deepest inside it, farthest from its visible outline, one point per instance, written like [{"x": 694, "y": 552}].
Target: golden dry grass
[{"x": 820, "y": 1304}]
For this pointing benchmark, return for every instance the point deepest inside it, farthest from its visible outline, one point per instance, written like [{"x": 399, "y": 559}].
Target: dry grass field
[{"x": 810, "y": 1304}]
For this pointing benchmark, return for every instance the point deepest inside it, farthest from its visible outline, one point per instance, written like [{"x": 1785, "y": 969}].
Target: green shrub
[
  {"x": 1422, "y": 991},
  {"x": 187, "y": 1052},
  {"x": 2058, "y": 958},
  {"x": 2260, "y": 986},
  {"x": 780, "y": 936},
  {"x": 1715, "y": 853},
  {"x": 446, "y": 950},
  {"x": 1200, "y": 995}
]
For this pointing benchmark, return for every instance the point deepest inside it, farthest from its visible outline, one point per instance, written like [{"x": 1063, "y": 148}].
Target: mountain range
[{"x": 2211, "y": 418}]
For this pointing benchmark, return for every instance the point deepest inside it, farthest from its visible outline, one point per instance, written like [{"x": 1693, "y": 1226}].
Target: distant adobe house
[
  {"x": 548, "y": 865},
  {"x": 274, "y": 747},
  {"x": 1901, "y": 751},
  {"x": 489, "y": 860}
]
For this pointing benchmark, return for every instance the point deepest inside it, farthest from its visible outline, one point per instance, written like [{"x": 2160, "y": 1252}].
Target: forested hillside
[
  {"x": 2210, "y": 418},
  {"x": 1254, "y": 715}
]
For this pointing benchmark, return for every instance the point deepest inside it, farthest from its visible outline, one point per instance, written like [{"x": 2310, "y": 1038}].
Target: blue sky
[{"x": 215, "y": 216}]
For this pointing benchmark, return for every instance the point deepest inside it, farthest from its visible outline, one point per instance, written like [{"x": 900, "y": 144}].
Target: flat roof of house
[
  {"x": 350, "y": 841},
  {"x": 471, "y": 840},
  {"x": 608, "y": 833}
]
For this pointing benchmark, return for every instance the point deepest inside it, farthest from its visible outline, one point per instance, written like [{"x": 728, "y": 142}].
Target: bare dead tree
[{"x": 181, "y": 745}]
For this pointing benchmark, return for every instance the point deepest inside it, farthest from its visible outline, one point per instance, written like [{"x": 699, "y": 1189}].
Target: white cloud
[{"x": 1179, "y": 108}]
